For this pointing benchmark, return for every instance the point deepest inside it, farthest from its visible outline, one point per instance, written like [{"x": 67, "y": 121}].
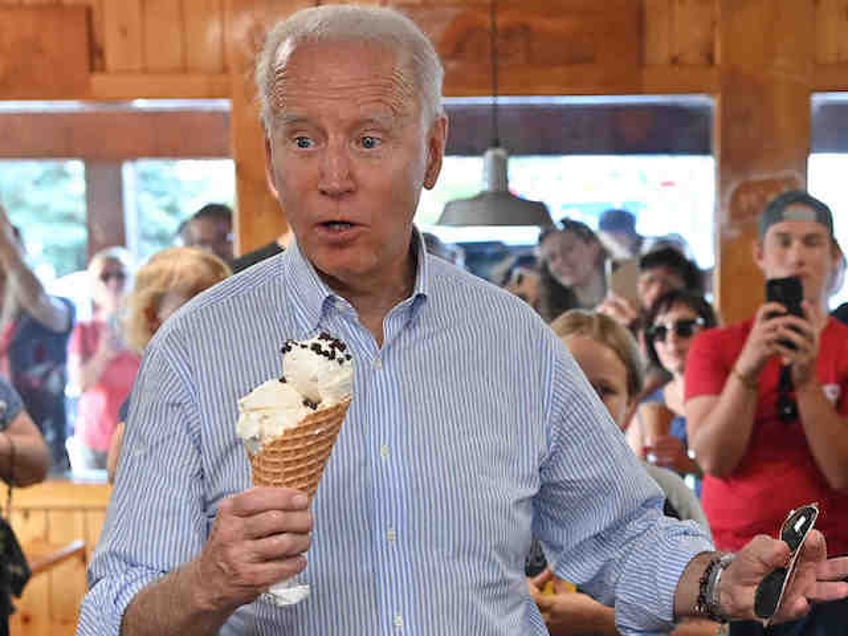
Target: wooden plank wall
[
  {"x": 56, "y": 512},
  {"x": 203, "y": 48}
]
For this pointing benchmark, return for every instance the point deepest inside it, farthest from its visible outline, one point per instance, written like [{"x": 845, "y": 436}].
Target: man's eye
[
  {"x": 369, "y": 141},
  {"x": 302, "y": 142}
]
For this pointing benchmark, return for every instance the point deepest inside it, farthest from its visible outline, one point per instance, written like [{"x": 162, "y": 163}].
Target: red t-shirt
[
  {"x": 777, "y": 472},
  {"x": 97, "y": 411}
]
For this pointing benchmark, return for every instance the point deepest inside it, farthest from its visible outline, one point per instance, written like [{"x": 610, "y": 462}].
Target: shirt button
[
  {"x": 377, "y": 363},
  {"x": 398, "y": 621},
  {"x": 391, "y": 535},
  {"x": 384, "y": 451}
]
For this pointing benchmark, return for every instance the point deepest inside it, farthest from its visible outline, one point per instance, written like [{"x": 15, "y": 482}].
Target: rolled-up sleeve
[
  {"x": 599, "y": 514},
  {"x": 156, "y": 518}
]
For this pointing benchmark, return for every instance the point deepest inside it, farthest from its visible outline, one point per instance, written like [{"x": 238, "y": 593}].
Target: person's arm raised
[
  {"x": 28, "y": 291},
  {"x": 258, "y": 538},
  {"x": 719, "y": 426}
]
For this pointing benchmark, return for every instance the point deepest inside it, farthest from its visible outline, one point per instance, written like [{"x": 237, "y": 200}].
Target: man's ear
[
  {"x": 758, "y": 254},
  {"x": 436, "y": 141},
  {"x": 269, "y": 169}
]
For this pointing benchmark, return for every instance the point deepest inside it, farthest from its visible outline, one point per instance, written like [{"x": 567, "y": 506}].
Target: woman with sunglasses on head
[
  {"x": 673, "y": 320},
  {"x": 100, "y": 365},
  {"x": 571, "y": 263}
]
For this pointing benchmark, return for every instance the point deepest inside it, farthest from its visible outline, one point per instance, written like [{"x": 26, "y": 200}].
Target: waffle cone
[{"x": 296, "y": 458}]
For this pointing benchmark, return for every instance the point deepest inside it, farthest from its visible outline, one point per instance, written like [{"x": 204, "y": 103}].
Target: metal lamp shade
[{"x": 495, "y": 205}]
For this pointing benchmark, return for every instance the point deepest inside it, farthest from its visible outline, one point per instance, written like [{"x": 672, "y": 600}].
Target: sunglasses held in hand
[
  {"x": 793, "y": 532},
  {"x": 681, "y": 328}
]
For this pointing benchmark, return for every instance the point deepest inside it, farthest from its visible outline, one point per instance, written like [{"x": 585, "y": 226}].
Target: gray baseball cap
[{"x": 795, "y": 205}]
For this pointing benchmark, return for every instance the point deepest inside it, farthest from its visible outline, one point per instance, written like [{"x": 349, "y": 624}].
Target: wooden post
[
  {"x": 104, "y": 194},
  {"x": 258, "y": 215},
  {"x": 766, "y": 63}
]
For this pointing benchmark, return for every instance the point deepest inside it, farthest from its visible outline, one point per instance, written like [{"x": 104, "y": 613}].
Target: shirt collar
[{"x": 313, "y": 297}]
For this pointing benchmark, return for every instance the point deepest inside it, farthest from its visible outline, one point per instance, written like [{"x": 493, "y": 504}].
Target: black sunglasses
[
  {"x": 682, "y": 329},
  {"x": 794, "y": 532},
  {"x": 787, "y": 407},
  {"x": 119, "y": 276}
]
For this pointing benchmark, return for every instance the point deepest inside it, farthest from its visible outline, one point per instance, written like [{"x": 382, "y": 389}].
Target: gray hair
[{"x": 345, "y": 23}]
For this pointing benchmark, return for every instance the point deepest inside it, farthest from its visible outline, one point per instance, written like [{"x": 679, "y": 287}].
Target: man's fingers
[
  {"x": 824, "y": 591},
  {"x": 835, "y": 569},
  {"x": 542, "y": 578},
  {"x": 280, "y": 546},
  {"x": 262, "y": 499},
  {"x": 273, "y": 522}
]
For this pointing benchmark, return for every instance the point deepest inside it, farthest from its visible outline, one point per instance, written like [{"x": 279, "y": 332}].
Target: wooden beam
[
  {"x": 258, "y": 215},
  {"x": 43, "y": 52},
  {"x": 114, "y": 135},
  {"x": 111, "y": 86},
  {"x": 104, "y": 194},
  {"x": 762, "y": 131}
]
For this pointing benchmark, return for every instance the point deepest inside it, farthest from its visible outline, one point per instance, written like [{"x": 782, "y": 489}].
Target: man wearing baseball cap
[{"x": 767, "y": 402}]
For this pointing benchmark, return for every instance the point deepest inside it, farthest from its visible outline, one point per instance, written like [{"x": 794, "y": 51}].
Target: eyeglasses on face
[
  {"x": 119, "y": 276},
  {"x": 682, "y": 329},
  {"x": 793, "y": 532}
]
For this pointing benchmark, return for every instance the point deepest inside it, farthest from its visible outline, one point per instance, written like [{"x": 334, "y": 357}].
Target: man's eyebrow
[{"x": 291, "y": 119}]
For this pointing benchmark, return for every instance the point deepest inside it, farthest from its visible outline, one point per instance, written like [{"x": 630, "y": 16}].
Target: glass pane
[
  {"x": 46, "y": 201},
  {"x": 667, "y": 194},
  {"x": 160, "y": 194},
  {"x": 825, "y": 180}
]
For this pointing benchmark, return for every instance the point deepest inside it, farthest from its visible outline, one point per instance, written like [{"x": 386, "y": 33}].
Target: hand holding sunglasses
[{"x": 794, "y": 532}]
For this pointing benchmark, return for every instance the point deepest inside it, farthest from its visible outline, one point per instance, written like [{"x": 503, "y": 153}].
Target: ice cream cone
[{"x": 296, "y": 458}]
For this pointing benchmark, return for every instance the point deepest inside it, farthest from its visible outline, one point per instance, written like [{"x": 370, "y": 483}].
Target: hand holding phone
[{"x": 789, "y": 292}]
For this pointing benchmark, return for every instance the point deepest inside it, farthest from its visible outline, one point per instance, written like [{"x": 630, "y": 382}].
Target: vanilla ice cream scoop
[
  {"x": 318, "y": 374},
  {"x": 321, "y": 369}
]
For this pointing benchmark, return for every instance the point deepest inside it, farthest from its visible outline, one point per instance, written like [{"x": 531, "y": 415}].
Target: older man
[{"x": 471, "y": 427}]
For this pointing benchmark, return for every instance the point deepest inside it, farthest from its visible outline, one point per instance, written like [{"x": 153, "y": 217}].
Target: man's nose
[
  {"x": 797, "y": 252},
  {"x": 336, "y": 178}
]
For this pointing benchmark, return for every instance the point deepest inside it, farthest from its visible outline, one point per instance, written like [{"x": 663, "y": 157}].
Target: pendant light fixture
[{"x": 495, "y": 205}]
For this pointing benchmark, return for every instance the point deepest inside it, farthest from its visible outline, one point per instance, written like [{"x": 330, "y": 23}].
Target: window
[
  {"x": 160, "y": 194},
  {"x": 46, "y": 201}
]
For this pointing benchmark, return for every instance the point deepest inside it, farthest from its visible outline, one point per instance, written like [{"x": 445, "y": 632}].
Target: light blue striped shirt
[{"x": 471, "y": 430}]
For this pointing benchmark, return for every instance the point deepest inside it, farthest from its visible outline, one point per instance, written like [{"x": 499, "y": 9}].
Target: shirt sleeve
[
  {"x": 706, "y": 372},
  {"x": 599, "y": 515},
  {"x": 11, "y": 404},
  {"x": 156, "y": 519}
]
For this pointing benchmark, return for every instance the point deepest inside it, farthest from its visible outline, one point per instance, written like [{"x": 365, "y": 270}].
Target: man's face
[
  {"x": 347, "y": 155},
  {"x": 799, "y": 248},
  {"x": 655, "y": 282},
  {"x": 211, "y": 234}
]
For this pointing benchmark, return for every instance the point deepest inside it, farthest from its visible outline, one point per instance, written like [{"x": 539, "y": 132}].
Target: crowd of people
[{"x": 566, "y": 458}]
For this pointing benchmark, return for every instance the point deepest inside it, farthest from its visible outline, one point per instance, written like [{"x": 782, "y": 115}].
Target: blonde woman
[{"x": 165, "y": 283}]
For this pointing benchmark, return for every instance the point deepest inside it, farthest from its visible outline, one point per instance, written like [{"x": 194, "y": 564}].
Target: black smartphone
[{"x": 789, "y": 292}]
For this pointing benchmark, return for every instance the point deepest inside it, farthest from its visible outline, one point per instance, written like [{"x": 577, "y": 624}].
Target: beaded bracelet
[{"x": 707, "y": 603}]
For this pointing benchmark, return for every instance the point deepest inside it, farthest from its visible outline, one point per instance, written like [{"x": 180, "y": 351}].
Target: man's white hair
[{"x": 350, "y": 23}]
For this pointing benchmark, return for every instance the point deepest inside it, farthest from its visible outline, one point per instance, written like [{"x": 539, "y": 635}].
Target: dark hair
[
  {"x": 672, "y": 259},
  {"x": 696, "y": 302},
  {"x": 214, "y": 211},
  {"x": 554, "y": 297}
]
